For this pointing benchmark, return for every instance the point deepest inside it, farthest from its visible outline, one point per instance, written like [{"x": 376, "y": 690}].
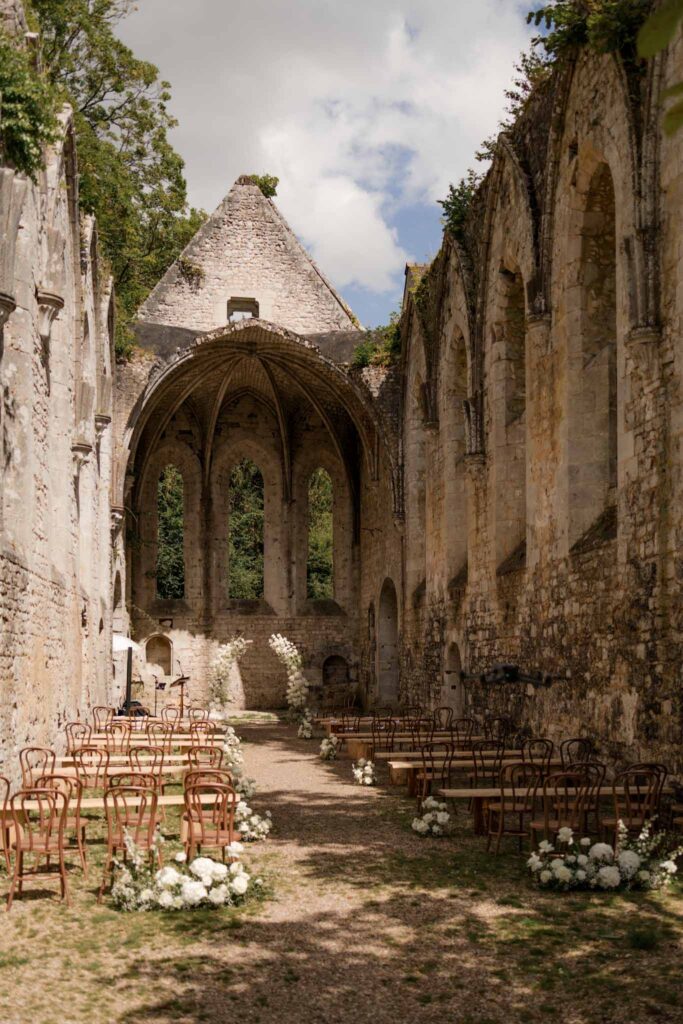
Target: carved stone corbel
[
  {"x": 643, "y": 346},
  {"x": 118, "y": 516},
  {"x": 81, "y": 452},
  {"x": 102, "y": 421},
  {"x": 49, "y": 308}
]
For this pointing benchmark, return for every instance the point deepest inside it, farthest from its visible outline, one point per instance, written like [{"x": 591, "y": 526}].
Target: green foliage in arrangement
[
  {"x": 170, "y": 571},
  {"x": 245, "y": 532},
  {"x": 380, "y": 346},
  {"x": 268, "y": 183},
  {"x": 131, "y": 178},
  {"x": 27, "y": 109},
  {"x": 320, "y": 567}
]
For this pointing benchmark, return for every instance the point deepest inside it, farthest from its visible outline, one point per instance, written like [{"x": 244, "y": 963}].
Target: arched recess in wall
[
  {"x": 170, "y": 562},
  {"x": 452, "y": 395},
  {"x": 387, "y": 647},
  {"x": 320, "y": 538},
  {"x": 246, "y": 532},
  {"x": 159, "y": 651},
  {"x": 593, "y": 367},
  {"x": 415, "y": 444},
  {"x": 509, "y": 442},
  {"x": 452, "y": 690}
]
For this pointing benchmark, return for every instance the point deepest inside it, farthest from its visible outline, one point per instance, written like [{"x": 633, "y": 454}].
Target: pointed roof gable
[{"x": 246, "y": 250}]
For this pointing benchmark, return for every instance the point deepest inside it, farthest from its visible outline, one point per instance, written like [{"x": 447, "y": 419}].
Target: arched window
[
  {"x": 159, "y": 651},
  {"x": 510, "y": 417},
  {"x": 320, "y": 562},
  {"x": 170, "y": 529},
  {"x": 245, "y": 532},
  {"x": 593, "y": 413}
]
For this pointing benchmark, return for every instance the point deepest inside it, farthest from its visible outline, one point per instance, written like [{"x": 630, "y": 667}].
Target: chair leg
[
  {"x": 62, "y": 876},
  {"x": 80, "y": 842},
  {"x": 18, "y": 868}
]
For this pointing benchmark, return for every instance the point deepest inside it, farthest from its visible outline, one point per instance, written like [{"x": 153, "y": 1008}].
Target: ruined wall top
[{"x": 246, "y": 250}]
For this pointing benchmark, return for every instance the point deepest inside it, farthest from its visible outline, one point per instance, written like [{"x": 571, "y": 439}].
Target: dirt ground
[{"x": 366, "y": 923}]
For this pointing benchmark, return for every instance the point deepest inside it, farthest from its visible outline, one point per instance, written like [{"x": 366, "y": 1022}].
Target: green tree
[
  {"x": 131, "y": 178},
  {"x": 245, "y": 532},
  {"x": 320, "y": 567},
  {"x": 27, "y": 108},
  {"x": 170, "y": 535},
  {"x": 607, "y": 26}
]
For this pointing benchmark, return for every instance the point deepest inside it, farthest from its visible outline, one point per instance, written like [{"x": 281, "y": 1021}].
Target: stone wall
[
  {"x": 56, "y": 364},
  {"x": 589, "y": 589}
]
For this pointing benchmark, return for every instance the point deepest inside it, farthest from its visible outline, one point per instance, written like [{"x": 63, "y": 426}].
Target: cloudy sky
[{"x": 365, "y": 110}]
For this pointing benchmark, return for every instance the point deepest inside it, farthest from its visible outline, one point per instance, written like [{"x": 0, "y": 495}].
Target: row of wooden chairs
[
  {"x": 103, "y": 716},
  {"x": 36, "y": 820},
  {"x": 119, "y": 733}
]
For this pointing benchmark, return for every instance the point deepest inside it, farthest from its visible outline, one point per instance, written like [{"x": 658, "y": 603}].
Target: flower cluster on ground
[
  {"x": 297, "y": 685},
  {"x": 647, "y": 861},
  {"x": 219, "y": 673},
  {"x": 250, "y": 825},
  {"x": 433, "y": 819},
  {"x": 329, "y": 748},
  {"x": 203, "y": 882},
  {"x": 363, "y": 772}
]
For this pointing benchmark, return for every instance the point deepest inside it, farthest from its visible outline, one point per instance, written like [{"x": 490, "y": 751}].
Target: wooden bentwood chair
[
  {"x": 131, "y": 811},
  {"x": 39, "y": 817},
  {"x": 212, "y": 823},
  {"x": 518, "y": 783},
  {"x": 73, "y": 793}
]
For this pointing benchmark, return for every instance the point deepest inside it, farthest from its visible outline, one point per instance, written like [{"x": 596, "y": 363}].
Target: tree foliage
[
  {"x": 268, "y": 183},
  {"x": 170, "y": 569},
  {"x": 607, "y": 26},
  {"x": 320, "y": 567},
  {"x": 27, "y": 108},
  {"x": 131, "y": 178},
  {"x": 245, "y": 532}
]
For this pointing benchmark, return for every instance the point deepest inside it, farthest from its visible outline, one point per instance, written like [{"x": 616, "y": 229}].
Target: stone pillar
[{"x": 543, "y": 410}]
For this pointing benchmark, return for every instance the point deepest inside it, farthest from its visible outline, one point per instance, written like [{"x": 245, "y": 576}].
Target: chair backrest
[
  {"x": 594, "y": 773},
  {"x": 131, "y": 810},
  {"x": 203, "y": 732},
  {"x": 78, "y": 734},
  {"x": 204, "y": 756},
  {"x": 382, "y": 712},
  {"x": 35, "y": 761},
  {"x": 350, "y": 721},
  {"x": 498, "y": 728},
  {"x": 68, "y": 785},
  {"x": 91, "y": 765},
  {"x": 160, "y": 734},
  {"x": 207, "y": 776},
  {"x": 443, "y": 718},
  {"x": 383, "y": 733},
  {"x": 197, "y": 714},
  {"x": 573, "y": 751},
  {"x": 641, "y": 797},
  {"x": 660, "y": 770},
  {"x": 171, "y": 713},
  {"x": 565, "y": 797},
  {"x": 409, "y": 712},
  {"x": 538, "y": 752},
  {"x": 518, "y": 782},
  {"x": 437, "y": 760},
  {"x": 117, "y": 736},
  {"x": 147, "y": 759},
  {"x": 133, "y": 778},
  {"x": 101, "y": 717},
  {"x": 212, "y": 816},
  {"x": 487, "y": 757},
  {"x": 36, "y": 828},
  {"x": 422, "y": 731},
  {"x": 462, "y": 730}
]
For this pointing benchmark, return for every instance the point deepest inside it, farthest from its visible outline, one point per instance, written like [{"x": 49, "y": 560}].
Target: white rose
[
  {"x": 565, "y": 835},
  {"x": 545, "y": 847},
  {"x": 181, "y": 857},
  {"x": 201, "y": 866},
  {"x": 585, "y": 841},
  {"x": 234, "y": 849},
  {"x": 545, "y": 876},
  {"x": 563, "y": 874},
  {"x": 239, "y": 885},
  {"x": 218, "y": 895},
  {"x": 669, "y": 867},
  {"x": 219, "y": 872}
]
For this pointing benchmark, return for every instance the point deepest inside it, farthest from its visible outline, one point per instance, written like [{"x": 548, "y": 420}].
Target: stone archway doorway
[
  {"x": 387, "y": 647},
  {"x": 452, "y": 690}
]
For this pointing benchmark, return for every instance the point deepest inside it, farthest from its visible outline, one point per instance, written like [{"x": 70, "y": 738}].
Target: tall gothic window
[
  {"x": 245, "y": 532},
  {"x": 170, "y": 530},
  {"x": 320, "y": 563}
]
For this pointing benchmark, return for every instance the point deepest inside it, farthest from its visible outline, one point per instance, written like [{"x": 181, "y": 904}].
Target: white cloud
[{"x": 360, "y": 108}]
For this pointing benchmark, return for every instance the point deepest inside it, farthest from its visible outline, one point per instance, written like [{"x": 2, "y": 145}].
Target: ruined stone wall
[
  {"x": 589, "y": 592},
  {"x": 55, "y": 429}
]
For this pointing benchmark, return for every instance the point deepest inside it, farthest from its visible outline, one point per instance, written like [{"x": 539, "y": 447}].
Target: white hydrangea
[
  {"x": 628, "y": 862},
  {"x": 601, "y": 852},
  {"x": 609, "y": 877}
]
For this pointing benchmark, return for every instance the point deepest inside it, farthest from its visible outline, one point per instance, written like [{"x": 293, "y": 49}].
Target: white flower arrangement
[
  {"x": 201, "y": 883},
  {"x": 433, "y": 820},
  {"x": 245, "y": 786},
  {"x": 646, "y": 862},
  {"x": 297, "y": 684},
  {"x": 221, "y": 665},
  {"x": 251, "y": 826},
  {"x": 329, "y": 748},
  {"x": 305, "y": 730},
  {"x": 363, "y": 772}
]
